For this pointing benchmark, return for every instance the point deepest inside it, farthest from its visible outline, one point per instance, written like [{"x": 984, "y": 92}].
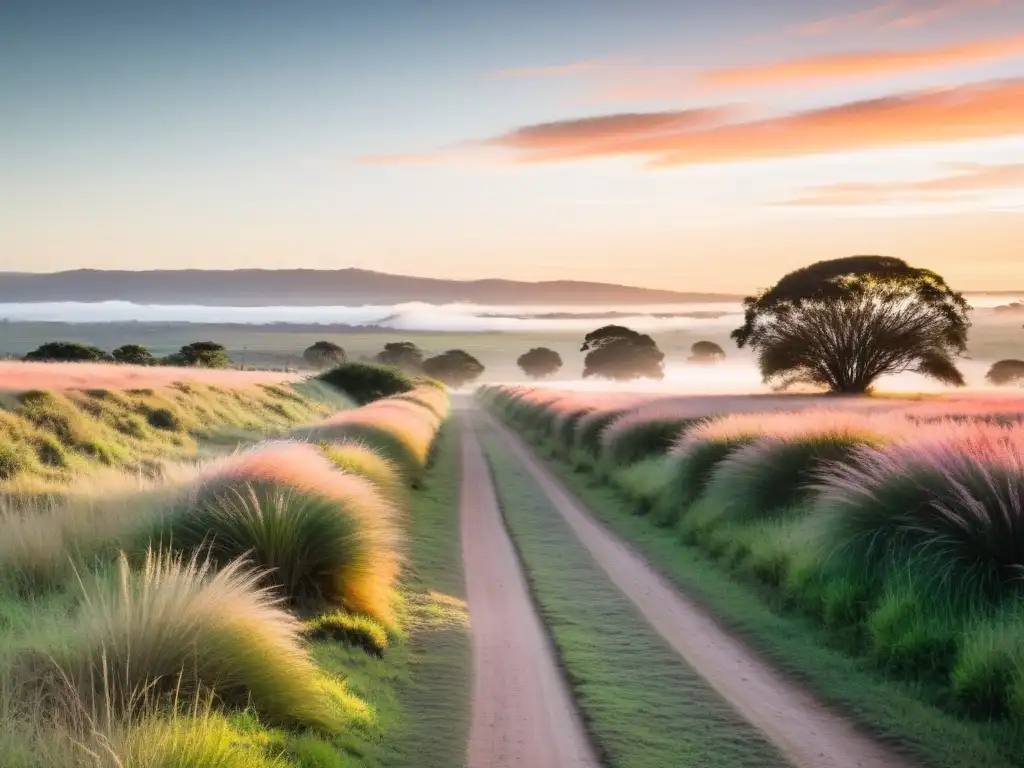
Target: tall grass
[
  {"x": 949, "y": 506},
  {"x": 400, "y": 429},
  {"x": 776, "y": 470},
  {"x": 318, "y": 534},
  {"x": 44, "y": 541},
  {"x": 174, "y": 628},
  {"x": 358, "y": 459}
]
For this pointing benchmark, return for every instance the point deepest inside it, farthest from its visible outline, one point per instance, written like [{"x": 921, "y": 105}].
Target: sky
[{"x": 666, "y": 143}]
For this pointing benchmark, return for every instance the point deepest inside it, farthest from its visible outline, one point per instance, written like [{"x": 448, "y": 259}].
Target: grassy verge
[
  {"x": 417, "y": 694},
  {"x": 643, "y": 705},
  {"x": 894, "y": 710},
  {"x": 350, "y": 686},
  {"x": 49, "y": 439},
  {"x": 431, "y": 722}
]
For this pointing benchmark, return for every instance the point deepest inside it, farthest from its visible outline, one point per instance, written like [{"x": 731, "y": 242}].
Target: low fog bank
[
  {"x": 444, "y": 318},
  {"x": 735, "y": 377}
]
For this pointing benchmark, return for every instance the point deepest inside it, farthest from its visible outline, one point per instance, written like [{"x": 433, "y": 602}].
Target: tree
[
  {"x": 539, "y": 362},
  {"x": 323, "y": 353},
  {"x": 401, "y": 354},
  {"x": 134, "y": 354},
  {"x": 366, "y": 382},
  {"x": 200, "y": 354},
  {"x": 842, "y": 324},
  {"x": 67, "y": 352},
  {"x": 620, "y": 353},
  {"x": 454, "y": 367},
  {"x": 706, "y": 352},
  {"x": 1006, "y": 372}
]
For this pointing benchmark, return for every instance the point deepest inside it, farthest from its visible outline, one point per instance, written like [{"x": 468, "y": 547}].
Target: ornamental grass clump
[{"x": 317, "y": 534}]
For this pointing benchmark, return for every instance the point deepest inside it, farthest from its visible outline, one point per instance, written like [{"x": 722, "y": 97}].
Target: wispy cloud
[
  {"x": 867, "y": 18},
  {"x": 896, "y": 14},
  {"x": 595, "y": 133},
  {"x": 722, "y": 134},
  {"x": 865, "y": 65},
  {"x": 965, "y": 181},
  {"x": 931, "y": 13},
  {"x": 715, "y": 135}
]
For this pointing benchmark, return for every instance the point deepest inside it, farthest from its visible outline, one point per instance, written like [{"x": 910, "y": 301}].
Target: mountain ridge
[{"x": 311, "y": 287}]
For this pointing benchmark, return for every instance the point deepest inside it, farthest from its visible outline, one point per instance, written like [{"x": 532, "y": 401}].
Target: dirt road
[
  {"x": 523, "y": 713},
  {"x": 807, "y": 733}
]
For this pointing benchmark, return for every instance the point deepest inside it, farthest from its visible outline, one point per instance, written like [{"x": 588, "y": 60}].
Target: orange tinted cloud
[
  {"x": 978, "y": 111},
  {"x": 853, "y": 66},
  {"x": 593, "y": 133},
  {"x": 850, "y": 22},
  {"x": 897, "y": 14},
  {"x": 939, "y": 12},
  {"x": 968, "y": 179}
]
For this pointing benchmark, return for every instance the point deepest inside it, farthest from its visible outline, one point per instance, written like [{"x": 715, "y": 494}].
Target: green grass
[
  {"x": 897, "y": 712},
  {"x": 375, "y": 696},
  {"x": 418, "y": 691},
  {"x": 48, "y": 440},
  {"x": 643, "y": 705},
  {"x": 434, "y": 689}
]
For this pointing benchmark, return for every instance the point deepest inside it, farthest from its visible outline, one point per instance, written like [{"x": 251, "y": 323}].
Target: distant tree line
[
  {"x": 198, "y": 354},
  {"x": 836, "y": 325}
]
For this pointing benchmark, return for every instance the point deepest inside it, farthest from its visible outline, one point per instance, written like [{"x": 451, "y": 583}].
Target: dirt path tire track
[
  {"x": 808, "y": 733},
  {"x": 523, "y": 714}
]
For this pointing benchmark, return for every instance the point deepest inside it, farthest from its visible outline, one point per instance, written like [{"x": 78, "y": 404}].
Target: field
[
  {"x": 992, "y": 338},
  {"x": 254, "y": 571}
]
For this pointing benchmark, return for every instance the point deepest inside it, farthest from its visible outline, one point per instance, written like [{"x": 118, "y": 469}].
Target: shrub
[
  {"x": 706, "y": 353},
  {"x": 539, "y": 362},
  {"x": 401, "y": 354},
  {"x": 67, "y": 352},
  {"x": 455, "y": 368},
  {"x": 366, "y": 382},
  {"x": 948, "y": 507},
  {"x": 200, "y": 354},
  {"x": 134, "y": 354},
  {"x": 163, "y": 418},
  {"x": 620, "y": 353},
  {"x": 176, "y": 628},
  {"x": 1006, "y": 372},
  {"x": 354, "y": 631},
  {"x": 318, "y": 534},
  {"x": 323, "y": 353}
]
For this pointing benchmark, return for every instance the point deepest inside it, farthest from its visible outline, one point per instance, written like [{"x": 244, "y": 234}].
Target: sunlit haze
[{"x": 670, "y": 144}]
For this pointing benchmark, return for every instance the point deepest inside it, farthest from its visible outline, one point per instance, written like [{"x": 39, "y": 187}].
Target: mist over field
[{"x": 417, "y": 316}]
